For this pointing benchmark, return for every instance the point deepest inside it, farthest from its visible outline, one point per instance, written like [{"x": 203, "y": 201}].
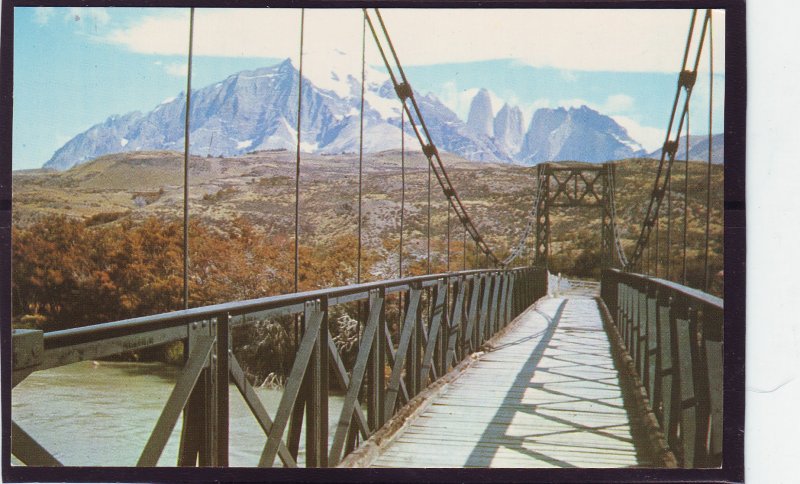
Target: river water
[{"x": 102, "y": 413}]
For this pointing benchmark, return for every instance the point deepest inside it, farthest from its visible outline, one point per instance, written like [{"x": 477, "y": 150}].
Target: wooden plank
[{"x": 547, "y": 394}]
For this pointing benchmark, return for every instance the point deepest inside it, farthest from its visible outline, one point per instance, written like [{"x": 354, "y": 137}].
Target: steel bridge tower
[{"x": 574, "y": 185}]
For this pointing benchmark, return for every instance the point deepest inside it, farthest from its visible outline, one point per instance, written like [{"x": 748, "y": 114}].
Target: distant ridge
[
  {"x": 698, "y": 148},
  {"x": 256, "y": 110}
]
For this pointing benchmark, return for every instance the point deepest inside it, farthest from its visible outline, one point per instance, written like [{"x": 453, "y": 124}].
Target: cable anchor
[
  {"x": 687, "y": 78},
  {"x": 403, "y": 91},
  {"x": 429, "y": 150},
  {"x": 670, "y": 148}
]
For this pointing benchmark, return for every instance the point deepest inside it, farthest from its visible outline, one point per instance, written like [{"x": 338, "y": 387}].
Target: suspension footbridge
[{"x": 502, "y": 367}]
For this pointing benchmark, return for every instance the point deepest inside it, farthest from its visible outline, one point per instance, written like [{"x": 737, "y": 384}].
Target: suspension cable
[
  {"x": 686, "y": 195},
  {"x": 706, "y": 281},
  {"x": 658, "y": 240},
  {"x": 532, "y": 216},
  {"x": 406, "y": 93},
  {"x": 617, "y": 244},
  {"x": 361, "y": 141},
  {"x": 297, "y": 170},
  {"x": 668, "y": 247},
  {"x": 402, "y": 183},
  {"x": 186, "y": 166},
  {"x": 429, "y": 220},
  {"x": 464, "y": 250},
  {"x": 685, "y": 80},
  {"x": 448, "y": 237}
]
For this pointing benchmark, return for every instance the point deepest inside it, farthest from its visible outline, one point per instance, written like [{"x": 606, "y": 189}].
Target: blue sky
[{"x": 74, "y": 67}]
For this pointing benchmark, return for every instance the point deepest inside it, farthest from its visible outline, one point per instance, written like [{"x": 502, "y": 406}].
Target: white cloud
[
  {"x": 459, "y": 100},
  {"x": 569, "y": 76},
  {"x": 617, "y": 103},
  {"x": 61, "y": 139},
  {"x": 177, "y": 69},
  {"x": 614, "y": 104},
  {"x": 83, "y": 15},
  {"x": 650, "y": 138},
  {"x": 595, "y": 40},
  {"x": 529, "y": 108},
  {"x": 42, "y": 15}
]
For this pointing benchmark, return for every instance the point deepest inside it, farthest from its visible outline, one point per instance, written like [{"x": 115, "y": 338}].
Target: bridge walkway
[{"x": 547, "y": 395}]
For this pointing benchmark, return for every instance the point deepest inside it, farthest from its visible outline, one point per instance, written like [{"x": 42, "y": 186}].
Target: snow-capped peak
[{"x": 338, "y": 71}]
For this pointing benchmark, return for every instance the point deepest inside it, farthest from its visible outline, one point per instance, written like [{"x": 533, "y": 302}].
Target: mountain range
[
  {"x": 256, "y": 110},
  {"x": 698, "y": 148}
]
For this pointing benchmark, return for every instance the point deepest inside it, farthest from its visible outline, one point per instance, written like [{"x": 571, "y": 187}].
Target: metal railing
[
  {"x": 673, "y": 334},
  {"x": 444, "y": 318}
]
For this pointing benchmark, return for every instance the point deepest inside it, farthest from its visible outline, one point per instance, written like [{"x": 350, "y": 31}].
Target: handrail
[
  {"x": 272, "y": 306},
  {"x": 673, "y": 335},
  {"x": 443, "y": 319}
]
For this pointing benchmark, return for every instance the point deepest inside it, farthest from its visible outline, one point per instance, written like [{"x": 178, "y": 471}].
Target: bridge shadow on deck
[{"x": 564, "y": 408}]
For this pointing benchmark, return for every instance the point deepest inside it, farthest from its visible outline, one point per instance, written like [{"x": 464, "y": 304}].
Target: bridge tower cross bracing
[{"x": 574, "y": 185}]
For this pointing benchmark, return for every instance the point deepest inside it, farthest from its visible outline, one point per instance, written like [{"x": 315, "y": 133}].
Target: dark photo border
[{"x": 734, "y": 275}]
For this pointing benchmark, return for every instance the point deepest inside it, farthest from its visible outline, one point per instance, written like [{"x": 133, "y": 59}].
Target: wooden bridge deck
[{"x": 547, "y": 395}]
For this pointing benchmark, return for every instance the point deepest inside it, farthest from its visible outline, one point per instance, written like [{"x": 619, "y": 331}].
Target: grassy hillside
[
  {"x": 259, "y": 188},
  {"x": 103, "y": 241}
]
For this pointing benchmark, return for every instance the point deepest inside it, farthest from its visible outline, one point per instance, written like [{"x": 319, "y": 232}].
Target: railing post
[
  {"x": 506, "y": 297},
  {"x": 455, "y": 326},
  {"x": 27, "y": 348},
  {"x": 412, "y": 357},
  {"x": 317, "y": 400},
  {"x": 484, "y": 314},
  {"x": 375, "y": 382},
  {"x": 440, "y": 352},
  {"x": 295, "y": 424},
  {"x": 662, "y": 402},
  {"x": 712, "y": 324},
  {"x": 624, "y": 309},
  {"x": 472, "y": 313},
  {"x": 495, "y": 302},
  {"x": 641, "y": 341},
  {"x": 649, "y": 376},
  {"x": 461, "y": 351},
  {"x": 687, "y": 355},
  {"x": 221, "y": 359},
  {"x": 498, "y": 320},
  {"x": 527, "y": 288},
  {"x": 434, "y": 328},
  {"x": 195, "y": 448},
  {"x": 633, "y": 337},
  {"x": 510, "y": 315},
  {"x": 672, "y": 399},
  {"x": 533, "y": 287}
]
